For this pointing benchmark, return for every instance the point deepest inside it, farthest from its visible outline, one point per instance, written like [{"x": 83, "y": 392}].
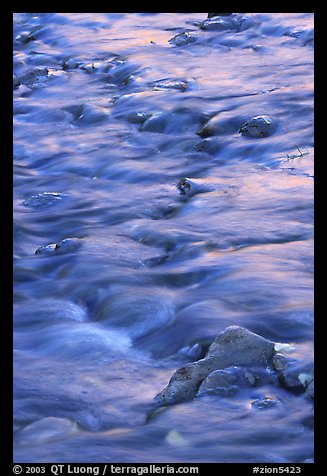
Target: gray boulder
[
  {"x": 182, "y": 39},
  {"x": 233, "y": 346},
  {"x": 258, "y": 126},
  {"x": 294, "y": 374},
  {"x": 68, "y": 245}
]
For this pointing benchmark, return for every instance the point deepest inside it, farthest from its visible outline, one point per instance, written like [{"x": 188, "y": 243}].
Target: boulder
[
  {"x": 293, "y": 373},
  {"x": 68, "y": 245},
  {"x": 234, "y": 346},
  {"x": 182, "y": 39},
  {"x": 258, "y": 126}
]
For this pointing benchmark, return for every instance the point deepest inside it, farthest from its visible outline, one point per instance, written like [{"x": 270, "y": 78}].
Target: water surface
[{"x": 103, "y": 133}]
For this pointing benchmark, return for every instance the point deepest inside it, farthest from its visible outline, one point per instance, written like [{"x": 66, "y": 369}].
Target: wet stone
[
  {"x": 67, "y": 245},
  {"x": 235, "y": 346},
  {"x": 264, "y": 403},
  {"x": 190, "y": 187},
  {"x": 43, "y": 199},
  {"x": 34, "y": 76},
  {"x": 234, "y": 22},
  {"x": 179, "y": 85},
  {"x": 182, "y": 39},
  {"x": 138, "y": 117},
  {"x": 293, "y": 374},
  {"x": 46, "y": 429},
  {"x": 309, "y": 392},
  {"x": 258, "y": 126},
  {"x": 218, "y": 126}
]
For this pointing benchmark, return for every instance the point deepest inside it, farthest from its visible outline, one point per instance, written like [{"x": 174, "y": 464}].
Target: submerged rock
[
  {"x": 258, "y": 126},
  {"x": 32, "y": 76},
  {"x": 294, "y": 374},
  {"x": 264, "y": 403},
  {"x": 222, "y": 382},
  {"x": 228, "y": 21},
  {"x": 234, "y": 346},
  {"x": 67, "y": 245},
  {"x": 182, "y": 39},
  {"x": 43, "y": 199},
  {"x": 191, "y": 187},
  {"x": 46, "y": 429},
  {"x": 217, "y": 125}
]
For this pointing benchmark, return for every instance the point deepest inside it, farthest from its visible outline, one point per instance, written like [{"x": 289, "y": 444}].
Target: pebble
[
  {"x": 182, "y": 39},
  {"x": 258, "y": 126},
  {"x": 67, "y": 245}
]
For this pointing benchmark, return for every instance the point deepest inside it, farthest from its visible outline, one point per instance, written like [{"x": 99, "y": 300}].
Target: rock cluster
[{"x": 237, "y": 358}]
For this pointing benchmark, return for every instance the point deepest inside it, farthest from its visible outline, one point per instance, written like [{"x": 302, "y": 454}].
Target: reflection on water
[{"x": 109, "y": 116}]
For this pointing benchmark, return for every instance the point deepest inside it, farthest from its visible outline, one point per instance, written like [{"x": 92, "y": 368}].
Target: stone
[
  {"x": 232, "y": 347},
  {"x": 46, "y": 429},
  {"x": 234, "y": 22},
  {"x": 67, "y": 245},
  {"x": 309, "y": 392},
  {"x": 217, "y": 125},
  {"x": 239, "y": 346},
  {"x": 293, "y": 373},
  {"x": 258, "y": 126},
  {"x": 264, "y": 403},
  {"x": 222, "y": 382},
  {"x": 219, "y": 24},
  {"x": 43, "y": 199},
  {"x": 182, "y": 39},
  {"x": 191, "y": 187},
  {"x": 138, "y": 117},
  {"x": 33, "y": 76}
]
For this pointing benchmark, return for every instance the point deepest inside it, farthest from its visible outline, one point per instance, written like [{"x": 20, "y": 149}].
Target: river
[{"x": 111, "y": 112}]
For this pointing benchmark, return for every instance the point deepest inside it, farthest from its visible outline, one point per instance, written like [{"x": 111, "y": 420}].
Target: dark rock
[
  {"x": 294, "y": 374},
  {"x": 219, "y": 126},
  {"x": 191, "y": 187},
  {"x": 264, "y": 403},
  {"x": 258, "y": 126},
  {"x": 233, "y": 346},
  {"x": 233, "y": 22},
  {"x": 43, "y": 199},
  {"x": 46, "y": 429},
  {"x": 33, "y": 76},
  {"x": 67, "y": 245},
  {"x": 182, "y": 39}
]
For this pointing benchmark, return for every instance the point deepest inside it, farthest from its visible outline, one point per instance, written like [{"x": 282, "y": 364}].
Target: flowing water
[{"x": 107, "y": 120}]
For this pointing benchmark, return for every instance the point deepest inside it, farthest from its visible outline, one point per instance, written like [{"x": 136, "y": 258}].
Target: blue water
[{"x": 107, "y": 117}]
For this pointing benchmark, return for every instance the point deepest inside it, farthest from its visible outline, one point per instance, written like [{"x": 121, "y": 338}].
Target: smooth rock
[
  {"x": 264, "y": 403},
  {"x": 138, "y": 117},
  {"x": 182, "y": 39},
  {"x": 219, "y": 126},
  {"x": 239, "y": 346},
  {"x": 67, "y": 245},
  {"x": 46, "y": 429},
  {"x": 34, "y": 76},
  {"x": 293, "y": 374},
  {"x": 310, "y": 391},
  {"x": 234, "y": 22},
  {"x": 43, "y": 199},
  {"x": 191, "y": 187},
  {"x": 258, "y": 126},
  {"x": 222, "y": 382},
  {"x": 233, "y": 346}
]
